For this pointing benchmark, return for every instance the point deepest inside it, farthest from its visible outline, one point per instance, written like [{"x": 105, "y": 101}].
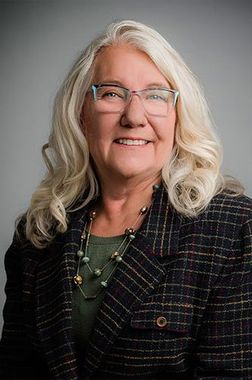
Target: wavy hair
[{"x": 192, "y": 173}]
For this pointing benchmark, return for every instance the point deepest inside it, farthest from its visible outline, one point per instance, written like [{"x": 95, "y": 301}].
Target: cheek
[
  {"x": 167, "y": 130},
  {"x": 87, "y": 118},
  {"x": 88, "y": 125},
  {"x": 172, "y": 127},
  {"x": 100, "y": 127}
]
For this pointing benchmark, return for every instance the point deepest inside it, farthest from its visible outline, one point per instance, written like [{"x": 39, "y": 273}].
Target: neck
[
  {"x": 120, "y": 206},
  {"x": 120, "y": 197}
]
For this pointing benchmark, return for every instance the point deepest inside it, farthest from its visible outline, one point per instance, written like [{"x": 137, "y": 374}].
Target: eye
[
  {"x": 110, "y": 93},
  {"x": 156, "y": 95}
]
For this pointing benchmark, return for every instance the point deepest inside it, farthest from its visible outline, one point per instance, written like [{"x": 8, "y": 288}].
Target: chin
[{"x": 128, "y": 173}]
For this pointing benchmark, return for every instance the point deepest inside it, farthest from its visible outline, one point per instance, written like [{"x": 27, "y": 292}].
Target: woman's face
[{"x": 130, "y": 144}]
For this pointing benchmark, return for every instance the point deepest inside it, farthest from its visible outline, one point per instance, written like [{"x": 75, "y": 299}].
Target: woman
[{"x": 134, "y": 257}]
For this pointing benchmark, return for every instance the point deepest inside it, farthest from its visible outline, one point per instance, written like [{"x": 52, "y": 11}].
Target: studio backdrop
[{"x": 41, "y": 38}]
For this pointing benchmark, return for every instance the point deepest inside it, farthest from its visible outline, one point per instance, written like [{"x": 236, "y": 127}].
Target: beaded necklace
[{"x": 116, "y": 257}]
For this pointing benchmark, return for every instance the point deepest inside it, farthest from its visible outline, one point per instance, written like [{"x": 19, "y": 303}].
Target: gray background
[{"x": 40, "y": 39}]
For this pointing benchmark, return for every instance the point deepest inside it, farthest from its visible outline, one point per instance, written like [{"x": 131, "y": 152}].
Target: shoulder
[
  {"x": 227, "y": 219},
  {"x": 230, "y": 207}
]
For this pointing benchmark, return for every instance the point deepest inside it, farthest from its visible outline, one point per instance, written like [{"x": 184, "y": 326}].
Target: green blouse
[{"x": 85, "y": 310}]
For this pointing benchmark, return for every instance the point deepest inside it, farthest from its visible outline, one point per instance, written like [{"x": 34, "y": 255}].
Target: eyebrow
[
  {"x": 149, "y": 85},
  {"x": 158, "y": 84}
]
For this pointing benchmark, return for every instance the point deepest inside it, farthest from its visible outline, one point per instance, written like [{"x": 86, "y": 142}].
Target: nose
[{"x": 134, "y": 114}]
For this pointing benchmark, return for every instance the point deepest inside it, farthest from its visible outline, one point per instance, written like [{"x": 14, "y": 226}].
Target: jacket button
[{"x": 161, "y": 321}]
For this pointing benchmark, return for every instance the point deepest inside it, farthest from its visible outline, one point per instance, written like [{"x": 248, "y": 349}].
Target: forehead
[{"x": 127, "y": 65}]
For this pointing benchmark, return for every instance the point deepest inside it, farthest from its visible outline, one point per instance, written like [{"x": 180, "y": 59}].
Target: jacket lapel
[
  {"x": 135, "y": 278},
  {"x": 54, "y": 302}
]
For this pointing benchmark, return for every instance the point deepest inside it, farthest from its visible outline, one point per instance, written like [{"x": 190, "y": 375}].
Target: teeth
[{"x": 132, "y": 142}]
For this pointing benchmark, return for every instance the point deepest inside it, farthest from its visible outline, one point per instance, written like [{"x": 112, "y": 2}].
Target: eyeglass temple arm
[
  {"x": 93, "y": 87},
  {"x": 175, "y": 97}
]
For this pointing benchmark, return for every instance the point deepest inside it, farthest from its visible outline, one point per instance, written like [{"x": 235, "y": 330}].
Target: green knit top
[{"x": 85, "y": 310}]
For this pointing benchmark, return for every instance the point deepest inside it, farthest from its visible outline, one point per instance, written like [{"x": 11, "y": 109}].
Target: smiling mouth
[{"x": 131, "y": 142}]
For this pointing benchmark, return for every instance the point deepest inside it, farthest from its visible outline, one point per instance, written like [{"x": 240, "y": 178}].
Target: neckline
[{"x": 105, "y": 240}]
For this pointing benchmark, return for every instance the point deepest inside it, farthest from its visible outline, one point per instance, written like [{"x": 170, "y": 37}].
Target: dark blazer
[{"x": 179, "y": 306}]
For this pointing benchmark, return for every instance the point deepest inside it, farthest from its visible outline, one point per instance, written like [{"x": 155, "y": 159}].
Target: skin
[{"x": 126, "y": 172}]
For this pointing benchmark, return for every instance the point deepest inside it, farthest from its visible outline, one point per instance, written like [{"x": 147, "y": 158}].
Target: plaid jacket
[{"x": 178, "y": 307}]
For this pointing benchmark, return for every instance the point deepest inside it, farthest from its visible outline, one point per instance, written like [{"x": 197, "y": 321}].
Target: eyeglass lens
[{"x": 156, "y": 101}]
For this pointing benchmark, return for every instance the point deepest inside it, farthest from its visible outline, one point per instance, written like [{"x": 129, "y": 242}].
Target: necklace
[{"x": 114, "y": 260}]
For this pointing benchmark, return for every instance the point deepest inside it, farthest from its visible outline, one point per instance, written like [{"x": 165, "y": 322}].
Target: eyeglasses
[{"x": 114, "y": 98}]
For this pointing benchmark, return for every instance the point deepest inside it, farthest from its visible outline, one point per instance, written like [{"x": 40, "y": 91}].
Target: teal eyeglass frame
[{"x": 94, "y": 88}]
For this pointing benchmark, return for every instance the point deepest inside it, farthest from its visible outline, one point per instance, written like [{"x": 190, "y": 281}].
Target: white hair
[{"x": 192, "y": 173}]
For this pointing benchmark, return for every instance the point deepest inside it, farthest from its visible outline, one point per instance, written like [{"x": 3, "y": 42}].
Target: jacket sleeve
[
  {"x": 18, "y": 357},
  {"x": 225, "y": 346}
]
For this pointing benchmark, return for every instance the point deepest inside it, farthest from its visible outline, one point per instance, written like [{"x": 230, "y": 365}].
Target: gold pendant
[{"x": 78, "y": 280}]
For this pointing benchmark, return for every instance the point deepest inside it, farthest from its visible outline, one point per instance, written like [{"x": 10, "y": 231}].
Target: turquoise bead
[
  {"x": 86, "y": 259},
  {"x": 97, "y": 272},
  {"x": 80, "y": 253}
]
